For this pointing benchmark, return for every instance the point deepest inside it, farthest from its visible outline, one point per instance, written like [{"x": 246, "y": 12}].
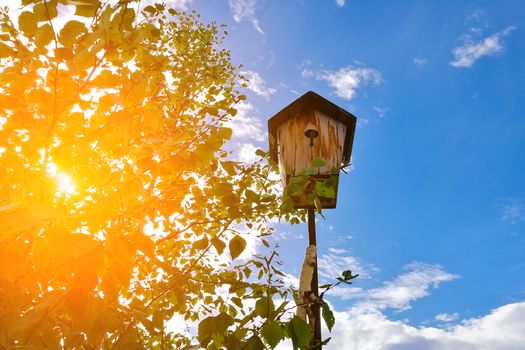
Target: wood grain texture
[{"x": 295, "y": 152}]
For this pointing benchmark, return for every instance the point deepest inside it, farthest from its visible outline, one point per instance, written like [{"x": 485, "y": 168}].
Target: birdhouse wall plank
[{"x": 294, "y": 147}]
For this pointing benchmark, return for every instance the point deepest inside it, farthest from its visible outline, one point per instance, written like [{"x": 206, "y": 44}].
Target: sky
[{"x": 432, "y": 214}]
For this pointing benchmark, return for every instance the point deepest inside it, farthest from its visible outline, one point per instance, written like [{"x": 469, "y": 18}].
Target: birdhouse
[{"x": 311, "y": 136}]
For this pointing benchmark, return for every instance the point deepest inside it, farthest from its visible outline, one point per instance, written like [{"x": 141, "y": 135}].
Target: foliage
[
  {"x": 128, "y": 107},
  {"x": 314, "y": 188}
]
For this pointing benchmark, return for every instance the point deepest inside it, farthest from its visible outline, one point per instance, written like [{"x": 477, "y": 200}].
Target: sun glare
[{"x": 65, "y": 184}]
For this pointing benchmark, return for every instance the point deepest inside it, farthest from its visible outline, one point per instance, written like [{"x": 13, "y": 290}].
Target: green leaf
[
  {"x": 317, "y": 204},
  {"x": 323, "y": 190},
  {"x": 298, "y": 179},
  {"x": 237, "y": 245},
  {"x": 272, "y": 333},
  {"x": 299, "y": 331},
  {"x": 318, "y": 162},
  {"x": 271, "y": 139},
  {"x": 328, "y": 316},
  {"x": 259, "y": 152},
  {"x": 347, "y": 275},
  {"x": 27, "y": 22},
  {"x": 343, "y": 281},
  {"x": 211, "y": 326},
  {"x": 286, "y": 205},
  {"x": 264, "y": 307},
  {"x": 254, "y": 343}
]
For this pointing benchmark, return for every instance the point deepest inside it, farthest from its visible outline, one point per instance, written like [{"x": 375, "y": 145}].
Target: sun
[{"x": 65, "y": 184}]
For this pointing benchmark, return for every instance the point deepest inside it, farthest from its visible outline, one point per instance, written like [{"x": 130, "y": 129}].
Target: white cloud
[
  {"x": 362, "y": 122},
  {"x": 291, "y": 280},
  {"x": 331, "y": 266},
  {"x": 420, "y": 61},
  {"x": 366, "y": 327},
  {"x": 514, "y": 210},
  {"x": 467, "y": 54},
  {"x": 401, "y": 291},
  {"x": 347, "y": 80},
  {"x": 337, "y": 250},
  {"x": 257, "y": 84},
  {"x": 178, "y": 4},
  {"x": 247, "y": 129},
  {"x": 381, "y": 111},
  {"x": 245, "y": 10},
  {"x": 502, "y": 329},
  {"x": 245, "y": 125},
  {"x": 340, "y": 3},
  {"x": 447, "y": 317},
  {"x": 247, "y": 153}
]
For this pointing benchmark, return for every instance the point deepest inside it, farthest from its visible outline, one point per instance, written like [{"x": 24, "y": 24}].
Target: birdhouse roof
[{"x": 313, "y": 101}]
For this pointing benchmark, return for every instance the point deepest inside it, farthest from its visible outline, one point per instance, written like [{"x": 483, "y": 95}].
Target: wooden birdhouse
[{"x": 311, "y": 136}]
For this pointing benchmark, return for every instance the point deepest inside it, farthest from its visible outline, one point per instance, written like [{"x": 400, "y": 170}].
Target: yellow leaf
[
  {"x": 99, "y": 213},
  {"x": 143, "y": 243},
  {"x": 121, "y": 118},
  {"x": 19, "y": 219},
  {"x": 88, "y": 8},
  {"x": 15, "y": 266},
  {"x": 44, "y": 35},
  {"x": 76, "y": 303},
  {"x": 146, "y": 163},
  {"x": 27, "y": 22},
  {"x": 45, "y": 11},
  {"x": 86, "y": 254},
  {"x": 49, "y": 250},
  {"x": 8, "y": 102},
  {"x": 105, "y": 79},
  {"x": 85, "y": 59},
  {"x": 44, "y": 211},
  {"x": 225, "y": 133},
  {"x": 5, "y": 51},
  {"x": 70, "y": 32},
  {"x": 237, "y": 245}
]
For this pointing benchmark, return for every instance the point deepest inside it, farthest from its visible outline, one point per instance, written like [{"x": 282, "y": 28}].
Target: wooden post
[{"x": 316, "y": 340}]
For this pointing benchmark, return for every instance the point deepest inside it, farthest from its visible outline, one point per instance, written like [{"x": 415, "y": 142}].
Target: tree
[
  {"x": 113, "y": 124},
  {"x": 120, "y": 209}
]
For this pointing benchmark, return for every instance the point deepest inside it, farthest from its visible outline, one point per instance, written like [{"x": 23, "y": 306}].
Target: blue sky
[{"x": 432, "y": 214}]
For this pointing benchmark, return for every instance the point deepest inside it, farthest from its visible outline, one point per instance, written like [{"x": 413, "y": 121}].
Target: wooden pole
[{"x": 316, "y": 340}]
